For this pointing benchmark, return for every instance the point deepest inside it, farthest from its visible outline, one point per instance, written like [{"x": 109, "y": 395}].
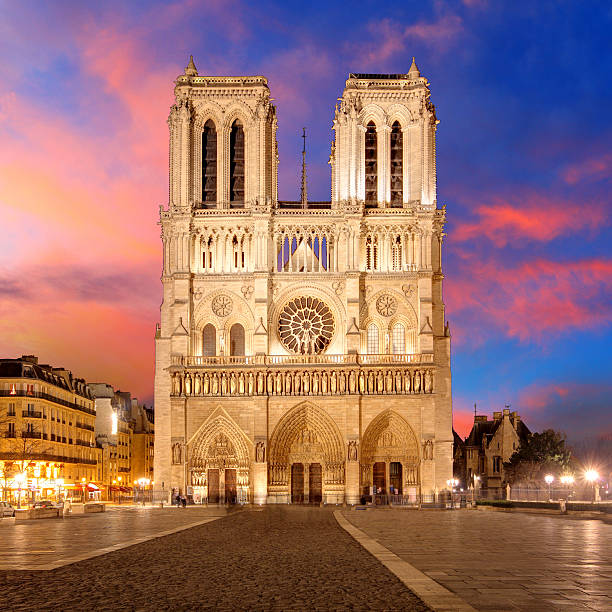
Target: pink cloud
[
  {"x": 392, "y": 39},
  {"x": 529, "y": 301},
  {"x": 529, "y": 215},
  {"x": 595, "y": 168}
]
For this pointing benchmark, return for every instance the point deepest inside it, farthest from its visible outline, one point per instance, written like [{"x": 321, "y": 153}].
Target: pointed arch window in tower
[
  {"x": 371, "y": 166},
  {"x": 237, "y": 165},
  {"x": 397, "y": 165},
  {"x": 398, "y": 339},
  {"x": 237, "y": 339},
  {"x": 209, "y": 341},
  {"x": 209, "y": 163},
  {"x": 373, "y": 339}
]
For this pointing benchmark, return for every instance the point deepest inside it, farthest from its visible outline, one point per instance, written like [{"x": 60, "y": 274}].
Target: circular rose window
[{"x": 306, "y": 325}]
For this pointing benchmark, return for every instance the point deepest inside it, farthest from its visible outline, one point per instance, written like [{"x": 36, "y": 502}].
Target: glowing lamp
[{"x": 549, "y": 479}]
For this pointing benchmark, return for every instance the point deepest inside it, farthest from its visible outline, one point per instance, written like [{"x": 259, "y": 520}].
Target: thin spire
[
  {"x": 191, "y": 69},
  {"x": 474, "y": 409},
  {"x": 414, "y": 70},
  {"x": 304, "y": 188}
]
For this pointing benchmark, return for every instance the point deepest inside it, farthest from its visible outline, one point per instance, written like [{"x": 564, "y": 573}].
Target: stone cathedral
[{"x": 302, "y": 354}]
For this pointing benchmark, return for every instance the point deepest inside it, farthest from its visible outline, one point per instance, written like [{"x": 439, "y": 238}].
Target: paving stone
[
  {"x": 281, "y": 558},
  {"x": 497, "y": 560}
]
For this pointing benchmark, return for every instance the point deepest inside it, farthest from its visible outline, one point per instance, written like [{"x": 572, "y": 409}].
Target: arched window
[
  {"x": 237, "y": 164},
  {"x": 236, "y": 252},
  {"x": 209, "y": 162},
  {"x": 396, "y": 253},
  {"x": 209, "y": 341},
  {"x": 398, "y": 339},
  {"x": 237, "y": 339},
  {"x": 371, "y": 166},
  {"x": 397, "y": 166},
  {"x": 373, "y": 339}
]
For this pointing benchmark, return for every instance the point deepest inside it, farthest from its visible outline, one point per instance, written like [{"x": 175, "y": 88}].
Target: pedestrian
[
  {"x": 178, "y": 500},
  {"x": 184, "y": 501}
]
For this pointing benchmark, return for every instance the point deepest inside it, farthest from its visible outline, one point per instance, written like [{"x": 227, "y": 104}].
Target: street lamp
[
  {"x": 451, "y": 483},
  {"x": 20, "y": 479},
  {"x": 592, "y": 476},
  {"x": 549, "y": 480}
]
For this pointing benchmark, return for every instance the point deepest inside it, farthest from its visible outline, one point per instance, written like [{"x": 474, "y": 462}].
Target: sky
[{"x": 523, "y": 92}]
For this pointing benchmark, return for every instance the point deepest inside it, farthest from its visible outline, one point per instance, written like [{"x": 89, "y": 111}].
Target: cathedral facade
[{"x": 302, "y": 354}]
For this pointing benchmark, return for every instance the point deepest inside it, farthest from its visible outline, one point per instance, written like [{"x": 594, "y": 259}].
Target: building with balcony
[
  {"x": 303, "y": 353},
  {"x": 47, "y": 423}
]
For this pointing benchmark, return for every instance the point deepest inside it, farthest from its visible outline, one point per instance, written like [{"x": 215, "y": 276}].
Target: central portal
[{"x": 297, "y": 483}]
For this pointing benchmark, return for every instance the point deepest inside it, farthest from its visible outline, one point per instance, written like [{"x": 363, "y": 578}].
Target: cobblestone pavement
[
  {"x": 275, "y": 558},
  {"x": 502, "y": 561},
  {"x": 36, "y": 544}
]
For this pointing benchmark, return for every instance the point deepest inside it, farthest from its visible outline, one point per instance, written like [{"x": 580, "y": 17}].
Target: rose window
[
  {"x": 306, "y": 325},
  {"x": 386, "y": 305}
]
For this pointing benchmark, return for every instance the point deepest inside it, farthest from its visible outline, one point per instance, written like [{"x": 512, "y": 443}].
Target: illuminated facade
[
  {"x": 302, "y": 354},
  {"x": 47, "y": 421}
]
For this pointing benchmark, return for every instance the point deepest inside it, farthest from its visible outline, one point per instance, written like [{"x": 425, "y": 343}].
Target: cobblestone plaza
[{"x": 287, "y": 557}]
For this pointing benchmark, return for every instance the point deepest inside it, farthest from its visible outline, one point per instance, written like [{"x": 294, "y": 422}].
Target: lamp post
[
  {"x": 549, "y": 480},
  {"x": 20, "y": 479},
  {"x": 592, "y": 476},
  {"x": 451, "y": 483}
]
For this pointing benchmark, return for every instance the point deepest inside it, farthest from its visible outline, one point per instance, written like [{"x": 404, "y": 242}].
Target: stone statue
[
  {"x": 197, "y": 387},
  {"x": 361, "y": 382},
  {"x": 297, "y": 383},
  {"x": 278, "y": 387},
  {"x": 270, "y": 383},
  {"x": 388, "y": 382},
  {"x": 352, "y": 450},
  {"x": 206, "y": 385},
  {"x": 176, "y": 453},
  {"x": 288, "y": 381},
  {"x": 250, "y": 383},
  {"x": 342, "y": 382},
  {"x": 407, "y": 386},
  {"x": 398, "y": 381},
  {"x": 333, "y": 382},
  {"x": 260, "y": 383},
  {"x": 315, "y": 383},
  {"x": 215, "y": 384},
  {"x": 352, "y": 382},
  {"x": 232, "y": 385},
  {"x": 223, "y": 384},
  {"x": 428, "y": 450},
  {"x": 260, "y": 452},
  {"x": 380, "y": 383},
  {"x": 324, "y": 383},
  {"x": 428, "y": 381},
  {"x": 417, "y": 382},
  {"x": 306, "y": 382},
  {"x": 241, "y": 383},
  {"x": 371, "y": 388},
  {"x": 188, "y": 384}
]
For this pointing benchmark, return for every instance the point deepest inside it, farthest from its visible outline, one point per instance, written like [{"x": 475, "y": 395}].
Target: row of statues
[{"x": 307, "y": 382}]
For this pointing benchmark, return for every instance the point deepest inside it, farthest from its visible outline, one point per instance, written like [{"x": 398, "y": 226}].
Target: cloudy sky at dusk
[{"x": 523, "y": 92}]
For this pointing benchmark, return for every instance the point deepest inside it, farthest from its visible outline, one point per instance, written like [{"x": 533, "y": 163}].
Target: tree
[{"x": 538, "y": 455}]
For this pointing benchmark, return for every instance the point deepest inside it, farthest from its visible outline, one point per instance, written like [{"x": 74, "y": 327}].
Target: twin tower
[{"x": 302, "y": 354}]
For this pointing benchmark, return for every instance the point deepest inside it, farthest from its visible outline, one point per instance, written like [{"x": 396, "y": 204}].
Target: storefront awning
[{"x": 92, "y": 487}]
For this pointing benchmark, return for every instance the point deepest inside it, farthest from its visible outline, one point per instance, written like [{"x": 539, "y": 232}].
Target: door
[
  {"x": 213, "y": 486},
  {"x": 297, "y": 483},
  {"x": 315, "y": 483},
  {"x": 230, "y": 486},
  {"x": 395, "y": 477},
  {"x": 380, "y": 486}
]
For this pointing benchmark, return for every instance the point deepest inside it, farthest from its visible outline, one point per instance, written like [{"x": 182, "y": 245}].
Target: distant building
[
  {"x": 124, "y": 433},
  {"x": 489, "y": 445},
  {"x": 459, "y": 461},
  {"x": 47, "y": 421}
]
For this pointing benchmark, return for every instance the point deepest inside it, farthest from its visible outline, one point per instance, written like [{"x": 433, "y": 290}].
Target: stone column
[
  {"x": 222, "y": 485},
  {"x": 351, "y": 487},
  {"x": 307, "y": 482},
  {"x": 260, "y": 482}
]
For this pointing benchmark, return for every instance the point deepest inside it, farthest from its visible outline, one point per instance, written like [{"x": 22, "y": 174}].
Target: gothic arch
[
  {"x": 219, "y": 442},
  {"x": 374, "y": 113},
  {"x": 390, "y": 438},
  {"x": 306, "y": 417},
  {"x": 406, "y": 313},
  {"x": 398, "y": 112},
  {"x": 241, "y": 312}
]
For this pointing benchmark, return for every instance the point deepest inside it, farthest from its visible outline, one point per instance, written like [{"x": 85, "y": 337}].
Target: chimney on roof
[
  {"x": 480, "y": 418},
  {"x": 497, "y": 416},
  {"x": 30, "y": 359}
]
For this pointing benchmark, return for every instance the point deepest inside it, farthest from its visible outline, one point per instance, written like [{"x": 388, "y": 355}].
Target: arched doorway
[
  {"x": 219, "y": 462},
  {"x": 389, "y": 458},
  {"x": 306, "y": 458}
]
